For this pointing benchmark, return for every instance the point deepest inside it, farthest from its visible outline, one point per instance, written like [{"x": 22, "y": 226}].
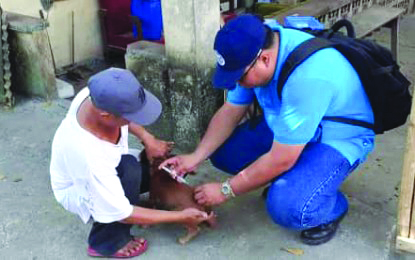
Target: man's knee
[
  {"x": 281, "y": 210},
  {"x": 129, "y": 171},
  {"x": 128, "y": 163},
  {"x": 128, "y": 159},
  {"x": 291, "y": 208},
  {"x": 222, "y": 163},
  {"x": 286, "y": 210}
]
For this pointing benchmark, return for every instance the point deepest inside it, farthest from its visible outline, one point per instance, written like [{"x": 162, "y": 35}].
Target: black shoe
[{"x": 321, "y": 234}]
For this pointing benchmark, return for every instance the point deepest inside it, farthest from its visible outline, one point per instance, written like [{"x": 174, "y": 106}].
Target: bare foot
[{"x": 133, "y": 248}]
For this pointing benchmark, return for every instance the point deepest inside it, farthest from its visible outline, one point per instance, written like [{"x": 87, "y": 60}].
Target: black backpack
[{"x": 386, "y": 87}]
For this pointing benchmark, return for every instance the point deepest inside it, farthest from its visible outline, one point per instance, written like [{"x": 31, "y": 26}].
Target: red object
[
  {"x": 117, "y": 24},
  {"x": 228, "y": 16}
]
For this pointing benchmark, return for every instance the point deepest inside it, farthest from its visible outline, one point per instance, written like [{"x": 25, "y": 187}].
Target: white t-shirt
[{"x": 83, "y": 175}]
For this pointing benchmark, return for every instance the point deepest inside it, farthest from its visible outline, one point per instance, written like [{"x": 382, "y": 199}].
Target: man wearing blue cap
[
  {"x": 93, "y": 175},
  {"x": 304, "y": 158}
]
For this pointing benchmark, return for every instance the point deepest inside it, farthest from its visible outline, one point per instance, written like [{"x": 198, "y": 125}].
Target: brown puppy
[{"x": 166, "y": 193}]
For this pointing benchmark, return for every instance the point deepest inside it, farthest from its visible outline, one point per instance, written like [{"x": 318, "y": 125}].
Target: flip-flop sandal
[{"x": 137, "y": 252}]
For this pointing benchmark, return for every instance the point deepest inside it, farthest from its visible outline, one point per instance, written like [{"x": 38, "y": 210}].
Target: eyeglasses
[{"x": 250, "y": 66}]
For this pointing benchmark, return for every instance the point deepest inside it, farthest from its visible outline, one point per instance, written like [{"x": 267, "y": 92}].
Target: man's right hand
[
  {"x": 182, "y": 164},
  {"x": 193, "y": 216}
]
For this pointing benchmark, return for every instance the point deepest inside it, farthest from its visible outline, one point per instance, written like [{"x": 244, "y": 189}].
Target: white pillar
[{"x": 190, "y": 27}]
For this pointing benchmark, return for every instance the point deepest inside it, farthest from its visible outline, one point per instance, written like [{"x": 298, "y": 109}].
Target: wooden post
[
  {"x": 394, "y": 25},
  {"x": 406, "y": 218},
  {"x": 30, "y": 58},
  {"x": 411, "y": 7}
]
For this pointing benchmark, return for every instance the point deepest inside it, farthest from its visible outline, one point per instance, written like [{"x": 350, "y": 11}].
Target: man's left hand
[
  {"x": 209, "y": 194},
  {"x": 157, "y": 148}
]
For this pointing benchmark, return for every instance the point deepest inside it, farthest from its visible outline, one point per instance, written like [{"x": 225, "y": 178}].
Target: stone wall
[{"x": 187, "y": 96}]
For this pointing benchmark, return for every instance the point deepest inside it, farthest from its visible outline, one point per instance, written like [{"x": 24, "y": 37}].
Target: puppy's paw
[
  {"x": 191, "y": 233},
  {"x": 212, "y": 220}
]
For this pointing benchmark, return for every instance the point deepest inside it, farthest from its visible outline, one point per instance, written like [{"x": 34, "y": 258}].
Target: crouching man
[{"x": 93, "y": 175}]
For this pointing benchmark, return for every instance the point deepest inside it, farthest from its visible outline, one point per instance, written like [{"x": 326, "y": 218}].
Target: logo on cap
[
  {"x": 220, "y": 59},
  {"x": 142, "y": 95}
]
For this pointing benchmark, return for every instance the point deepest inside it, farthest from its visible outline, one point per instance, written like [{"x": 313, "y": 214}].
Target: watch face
[{"x": 225, "y": 189}]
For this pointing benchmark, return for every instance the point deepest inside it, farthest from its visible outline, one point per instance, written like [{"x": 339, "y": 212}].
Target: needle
[{"x": 174, "y": 175}]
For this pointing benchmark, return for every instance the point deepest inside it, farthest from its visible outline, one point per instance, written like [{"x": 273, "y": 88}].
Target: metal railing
[{"x": 352, "y": 7}]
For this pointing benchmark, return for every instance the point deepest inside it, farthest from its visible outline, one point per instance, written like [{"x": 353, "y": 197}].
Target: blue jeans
[
  {"x": 108, "y": 238},
  {"x": 305, "y": 196}
]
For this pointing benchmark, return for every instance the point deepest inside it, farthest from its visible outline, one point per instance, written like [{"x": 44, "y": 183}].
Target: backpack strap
[
  {"x": 298, "y": 56},
  {"x": 350, "y": 121},
  {"x": 344, "y": 23}
]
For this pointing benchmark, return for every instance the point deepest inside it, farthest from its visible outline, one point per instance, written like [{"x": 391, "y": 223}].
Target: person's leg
[
  {"x": 107, "y": 239},
  {"x": 308, "y": 196},
  {"x": 243, "y": 147}
]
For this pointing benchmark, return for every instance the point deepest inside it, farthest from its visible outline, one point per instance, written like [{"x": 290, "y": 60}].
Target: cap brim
[
  {"x": 226, "y": 78},
  {"x": 148, "y": 114}
]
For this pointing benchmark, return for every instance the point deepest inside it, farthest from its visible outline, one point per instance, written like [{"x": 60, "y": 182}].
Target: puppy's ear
[
  {"x": 157, "y": 161},
  {"x": 143, "y": 157}
]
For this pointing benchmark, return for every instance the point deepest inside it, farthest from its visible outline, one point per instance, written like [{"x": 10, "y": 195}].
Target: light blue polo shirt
[{"x": 324, "y": 85}]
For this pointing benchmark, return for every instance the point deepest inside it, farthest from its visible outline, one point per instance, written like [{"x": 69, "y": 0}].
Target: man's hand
[
  {"x": 182, "y": 164},
  {"x": 192, "y": 216},
  {"x": 210, "y": 194},
  {"x": 157, "y": 148},
  {"x": 154, "y": 147}
]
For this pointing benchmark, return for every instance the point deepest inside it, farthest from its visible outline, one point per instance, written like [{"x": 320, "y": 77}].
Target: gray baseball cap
[{"x": 117, "y": 91}]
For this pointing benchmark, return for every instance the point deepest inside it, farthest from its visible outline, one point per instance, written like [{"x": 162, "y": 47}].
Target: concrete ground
[{"x": 34, "y": 226}]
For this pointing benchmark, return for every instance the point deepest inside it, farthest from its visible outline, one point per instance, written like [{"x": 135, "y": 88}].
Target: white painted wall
[{"x": 88, "y": 40}]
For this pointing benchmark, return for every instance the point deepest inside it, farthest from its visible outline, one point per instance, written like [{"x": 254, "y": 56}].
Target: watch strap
[{"x": 227, "y": 189}]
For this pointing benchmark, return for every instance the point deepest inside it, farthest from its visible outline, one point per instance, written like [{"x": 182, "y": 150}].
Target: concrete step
[{"x": 65, "y": 90}]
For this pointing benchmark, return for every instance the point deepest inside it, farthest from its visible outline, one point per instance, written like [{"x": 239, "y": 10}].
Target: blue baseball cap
[
  {"x": 117, "y": 91},
  {"x": 236, "y": 45}
]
